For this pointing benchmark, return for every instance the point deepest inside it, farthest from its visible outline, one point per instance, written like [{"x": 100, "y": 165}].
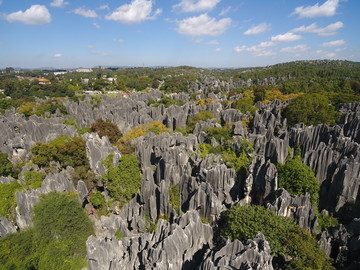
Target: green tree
[
  {"x": 286, "y": 239},
  {"x": 65, "y": 150},
  {"x": 56, "y": 241},
  {"x": 311, "y": 109},
  {"x": 106, "y": 128},
  {"x": 297, "y": 178},
  {"x": 124, "y": 180}
]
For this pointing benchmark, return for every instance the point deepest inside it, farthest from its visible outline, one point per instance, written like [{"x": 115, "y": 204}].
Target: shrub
[
  {"x": 238, "y": 160},
  {"x": 106, "y": 128},
  {"x": 34, "y": 179},
  {"x": 174, "y": 197},
  {"x": 245, "y": 104},
  {"x": 123, "y": 181},
  {"x": 118, "y": 234},
  {"x": 218, "y": 133},
  {"x": 284, "y": 236},
  {"x": 70, "y": 122},
  {"x": 67, "y": 151},
  {"x": 297, "y": 178},
  {"x": 17, "y": 251},
  {"x": 97, "y": 199},
  {"x": 166, "y": 101},
  {"x": 200, "y": 116},
  {"x": 326, "y": 221},
  {"x": 56, "y": 241},
  {"x": 44, "y": 108},
  {"x": 311, "y": 109},
  {"x": 124, "y": 143},
  {"x": 5, "y": 165},
  {"x": 8, "y": 199}
]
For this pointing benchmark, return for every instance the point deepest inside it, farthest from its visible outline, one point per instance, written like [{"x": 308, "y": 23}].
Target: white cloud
[
  {"x": 257, "y": 50},
  {"x": 334, "y": 43},
  {"x": 213, "y": 42},
  {"x": 225, "y": 11},
  {"x": 90, "y": 46},
  {"x": 57, "y": 55},
  {"x": 198, "y": 40},
  {"x": 329, "y": 30},
  {"x": 327, "y": 9},
  {"x": 119, "y": 41},
  {"x": 36, "y": 14},
  {"x": 87, "y": 13},
  {"x": 196, "y": 5},
  {"x": 104, "y": 7},
  {"x": 218, "y": 50},
  {"x": 96, "y": 25},
  {"x": 58, "y": 3},
  {"x": 135, "y": 12},
  {"x": 258, "y": 29},
  {"x": 287, "y": 37},
  {"x": 266, "y": 44},
  {"x": 203, "y": 25},
  {"x": 295, "y": 49},
  {"x": 103, "y": 54},
  {"x": 330, "y": 55},
  {"x": 326, "y": 54}
]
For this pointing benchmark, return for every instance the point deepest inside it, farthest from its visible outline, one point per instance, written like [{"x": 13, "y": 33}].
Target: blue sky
[{"x": 201, "y": 33}]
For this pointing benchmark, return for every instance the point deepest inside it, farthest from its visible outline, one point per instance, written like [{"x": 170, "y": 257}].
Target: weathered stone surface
[
  {"x": 18, "y": 134},
  {"x": 6, "y": 227},
  {"x": 264, "y": 178},
  {"x": 298, "y": 208},
  {"x": 98, "y": 149},
  {"x": 253, "y": 254},
  {"x": 170, "y": 247},
  {"x": 25, "y": 200}
]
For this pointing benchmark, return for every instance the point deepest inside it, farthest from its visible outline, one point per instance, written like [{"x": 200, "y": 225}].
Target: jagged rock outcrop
[
  {"x": 98, "y": 149},
  {"x": 25, "y": 200},
  {"x": 253, "y": 254},
  {"x": 264, "y": 179},
  {"x": 171, "y": 246},
  {"x": 6, "y": 227},
  {"x": 298, "y": 208},
  {"x": 335, "y": 160},
  {"x": 19, "y": 134}
]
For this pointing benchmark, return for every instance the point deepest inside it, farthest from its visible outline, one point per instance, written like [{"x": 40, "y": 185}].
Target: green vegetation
[
  {"x": 97, "y": 199},
  {"x": 57, "y": 240},
  {"x": 8, "y": 199},
  {"x": 175, "y": 198},
  {"x": 118, "y": 234},
  {"x": 311, "y": 109},
  {"x": 106, "y": 128},
  {"x": 219, "y": 134},
  {"x": 67, "y": 151},
  {"x": 297, "y": 178},
  {"x": 166, "y": 101},
  {"x": 326, "y": 221},
  {"x": 239, "y": 159},
  {"x": 286, "y": 239},
  {"x": 45, "y": 108},
  {"x": 33, "y": 179},
  {"x": 6, "y": 167},
  {"x": 123, "y": 181},
  {"x": 245, "y": 104},
  {"x": 200, "y": 116},
  {"x": 124, "y": 143},
  {"x": 70, "y": 122}
]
